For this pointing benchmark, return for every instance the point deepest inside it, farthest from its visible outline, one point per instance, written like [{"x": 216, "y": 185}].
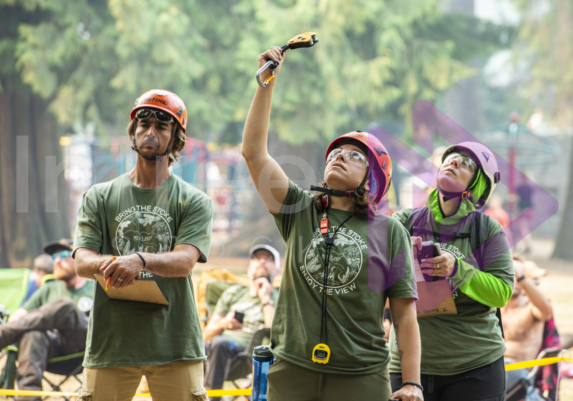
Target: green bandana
[{"x": 467, "y": 206}]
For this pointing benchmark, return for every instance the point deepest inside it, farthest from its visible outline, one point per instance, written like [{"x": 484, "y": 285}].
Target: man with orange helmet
[
  {"x": 147, "y": 224},
  {"x": 344, "y": 259}
]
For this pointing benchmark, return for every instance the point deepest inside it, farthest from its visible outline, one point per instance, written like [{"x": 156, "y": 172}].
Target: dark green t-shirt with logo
[
  {"x": 51, "y": 290},
  {"x": 471, "y": 338},
  {"x": 118, "y": 218},
  {"x": 238, "y": 298},
  {"x": 370, "y": 261}
]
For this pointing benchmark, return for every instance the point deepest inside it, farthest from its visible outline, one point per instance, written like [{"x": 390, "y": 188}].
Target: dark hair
[
  {"x": 177, "y": 145},
  {"x": 362, "y": 205}
]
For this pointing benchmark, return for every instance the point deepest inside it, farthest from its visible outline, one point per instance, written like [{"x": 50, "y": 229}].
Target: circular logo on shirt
[
  {"x": 143, "y": 232},
  {"x": 85, "y": 304},
  {"x": 345, "y": 261}
]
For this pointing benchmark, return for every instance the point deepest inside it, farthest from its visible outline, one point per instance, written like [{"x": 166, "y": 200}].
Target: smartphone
[
  {"x": 429, "y": 250},
  {"x": 239, "y": 316}
]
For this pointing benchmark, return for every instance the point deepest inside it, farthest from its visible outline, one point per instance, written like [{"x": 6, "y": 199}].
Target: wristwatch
[
  {"x": 269, "y": 302},
  {"x": 521, "y": 278}
]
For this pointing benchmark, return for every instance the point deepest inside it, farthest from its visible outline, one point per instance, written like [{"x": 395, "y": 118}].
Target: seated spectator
[
  {"x": 41, "y": 272},
  {"x": 225, "y": 336},
  {"x": 53, "y": 322},
  {"x": 524, "y": 317},
  {"x": 524, "y": 321}
]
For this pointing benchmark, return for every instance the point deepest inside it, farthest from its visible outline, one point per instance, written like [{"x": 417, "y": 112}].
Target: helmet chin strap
[
  {"x": 341, "y": 194},
  {"x": 167, "y": 151}
]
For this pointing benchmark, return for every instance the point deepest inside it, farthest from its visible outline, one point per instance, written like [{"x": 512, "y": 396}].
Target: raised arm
[{"x": 269, "y": 178}]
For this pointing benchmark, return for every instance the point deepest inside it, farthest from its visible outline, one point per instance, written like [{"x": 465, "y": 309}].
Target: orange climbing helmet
[{"x": 165, "y": 101}]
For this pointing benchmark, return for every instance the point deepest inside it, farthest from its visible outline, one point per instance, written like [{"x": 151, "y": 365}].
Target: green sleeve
[
  {"x": 402, "y": 215},
  {"x": 487, "y": 289},
  {"x": 195, "y": 228},
  {"x": 89, "y": 232},
  {"x": 296, "y": 201},
  {"x": 494, "y": 285}
]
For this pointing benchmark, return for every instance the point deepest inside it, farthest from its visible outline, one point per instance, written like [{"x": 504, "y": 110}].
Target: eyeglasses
[
  {"x": 352, "y": 155},
  {"x": 144, "y": 114},
  {"x": 63, "y": 255},
  {"x": 262, "y": 259},
  {"x": 465, "y": 162}
]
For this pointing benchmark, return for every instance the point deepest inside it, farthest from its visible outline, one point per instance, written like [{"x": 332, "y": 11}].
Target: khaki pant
[
  {"x": 288, "y": 382},
  {"x": 180, "y": 380}
]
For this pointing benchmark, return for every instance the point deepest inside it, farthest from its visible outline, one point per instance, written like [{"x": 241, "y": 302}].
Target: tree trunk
[
  {"x": 564, "y": 239},
  {"x": 28, "y": 217}
]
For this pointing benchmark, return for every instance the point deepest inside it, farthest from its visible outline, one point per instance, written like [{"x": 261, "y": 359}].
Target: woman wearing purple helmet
[{"x": 462, "y": 339}]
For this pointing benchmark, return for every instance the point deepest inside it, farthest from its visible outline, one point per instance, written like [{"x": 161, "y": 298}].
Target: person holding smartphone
[
  {"x": 462, "y": 344},
  {"x": 343, "y": 260},
  {"x": 240, "y": 311}
]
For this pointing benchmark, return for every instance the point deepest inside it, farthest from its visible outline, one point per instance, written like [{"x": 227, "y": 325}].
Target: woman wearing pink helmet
[
  {"x": 327, "y": 336},
  {"x": 462, "y": 339}
]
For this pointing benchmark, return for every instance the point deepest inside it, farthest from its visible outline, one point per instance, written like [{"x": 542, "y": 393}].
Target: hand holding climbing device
[{"x": 307, "y": 39}]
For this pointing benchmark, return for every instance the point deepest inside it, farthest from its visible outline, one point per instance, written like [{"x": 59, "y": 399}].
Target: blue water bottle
[{"x": 262, "y": 360}]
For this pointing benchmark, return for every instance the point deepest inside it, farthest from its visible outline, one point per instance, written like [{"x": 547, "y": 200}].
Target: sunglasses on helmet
[{"x": 144, "y": 114}]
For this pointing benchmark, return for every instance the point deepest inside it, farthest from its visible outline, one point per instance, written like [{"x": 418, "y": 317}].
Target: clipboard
[
  {"x": 433, "y": 298},
  {"x": 141, "y": 291}
]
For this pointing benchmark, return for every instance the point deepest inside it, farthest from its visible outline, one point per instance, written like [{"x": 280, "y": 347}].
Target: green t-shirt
[
  {"x": 238, "y": 298},
  {"x": 470, "y": 339},
  {"x": 364, "y": 270},
  {"x": 52, "y": 290},
  {"x": 118, "y": 218}
]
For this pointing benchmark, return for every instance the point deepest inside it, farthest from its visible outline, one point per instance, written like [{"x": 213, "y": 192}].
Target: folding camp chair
[
  {"x": 13, "y": 289},
  {"x": 518, "y": 389}
]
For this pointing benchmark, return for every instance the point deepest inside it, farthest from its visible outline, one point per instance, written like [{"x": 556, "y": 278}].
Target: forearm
[
  {"x": 255, "y": 135},
  {"x": 481, "y": 286},
  {"x": 409, "y": 348},
  {"x": 168, "y": 264},
  {"x": 18, "y": 314},
  {"x": 213, "y": 329},
  {"x": 88, "y": 262},
  {"x": 268, "y": 314},
  {"x": 537, "y": 299}
]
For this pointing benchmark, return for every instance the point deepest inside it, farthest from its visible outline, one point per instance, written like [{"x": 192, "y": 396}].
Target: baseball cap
[
  {"x": 273, "y": 251},
  {"x": 58, "y": 246}
]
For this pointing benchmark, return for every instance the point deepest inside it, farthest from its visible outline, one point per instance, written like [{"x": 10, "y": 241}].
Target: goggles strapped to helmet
[{"x": 144, "y": 114}]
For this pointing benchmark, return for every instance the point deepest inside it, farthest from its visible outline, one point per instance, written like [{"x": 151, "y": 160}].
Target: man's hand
[
  {"x": 230, "y": 323},
  {"x": 440, "y": 266},
  {"x": 408, "y": 393},
  {"x": 264, "y": 289},
  {"x": 123, "y": 271}
]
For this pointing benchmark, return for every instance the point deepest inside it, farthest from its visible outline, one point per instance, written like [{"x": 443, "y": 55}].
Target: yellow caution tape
[
  {"x": 248, "y": 391},
  {"x": 536, "y": 362},
  {"x": 30, "y": 393}
]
